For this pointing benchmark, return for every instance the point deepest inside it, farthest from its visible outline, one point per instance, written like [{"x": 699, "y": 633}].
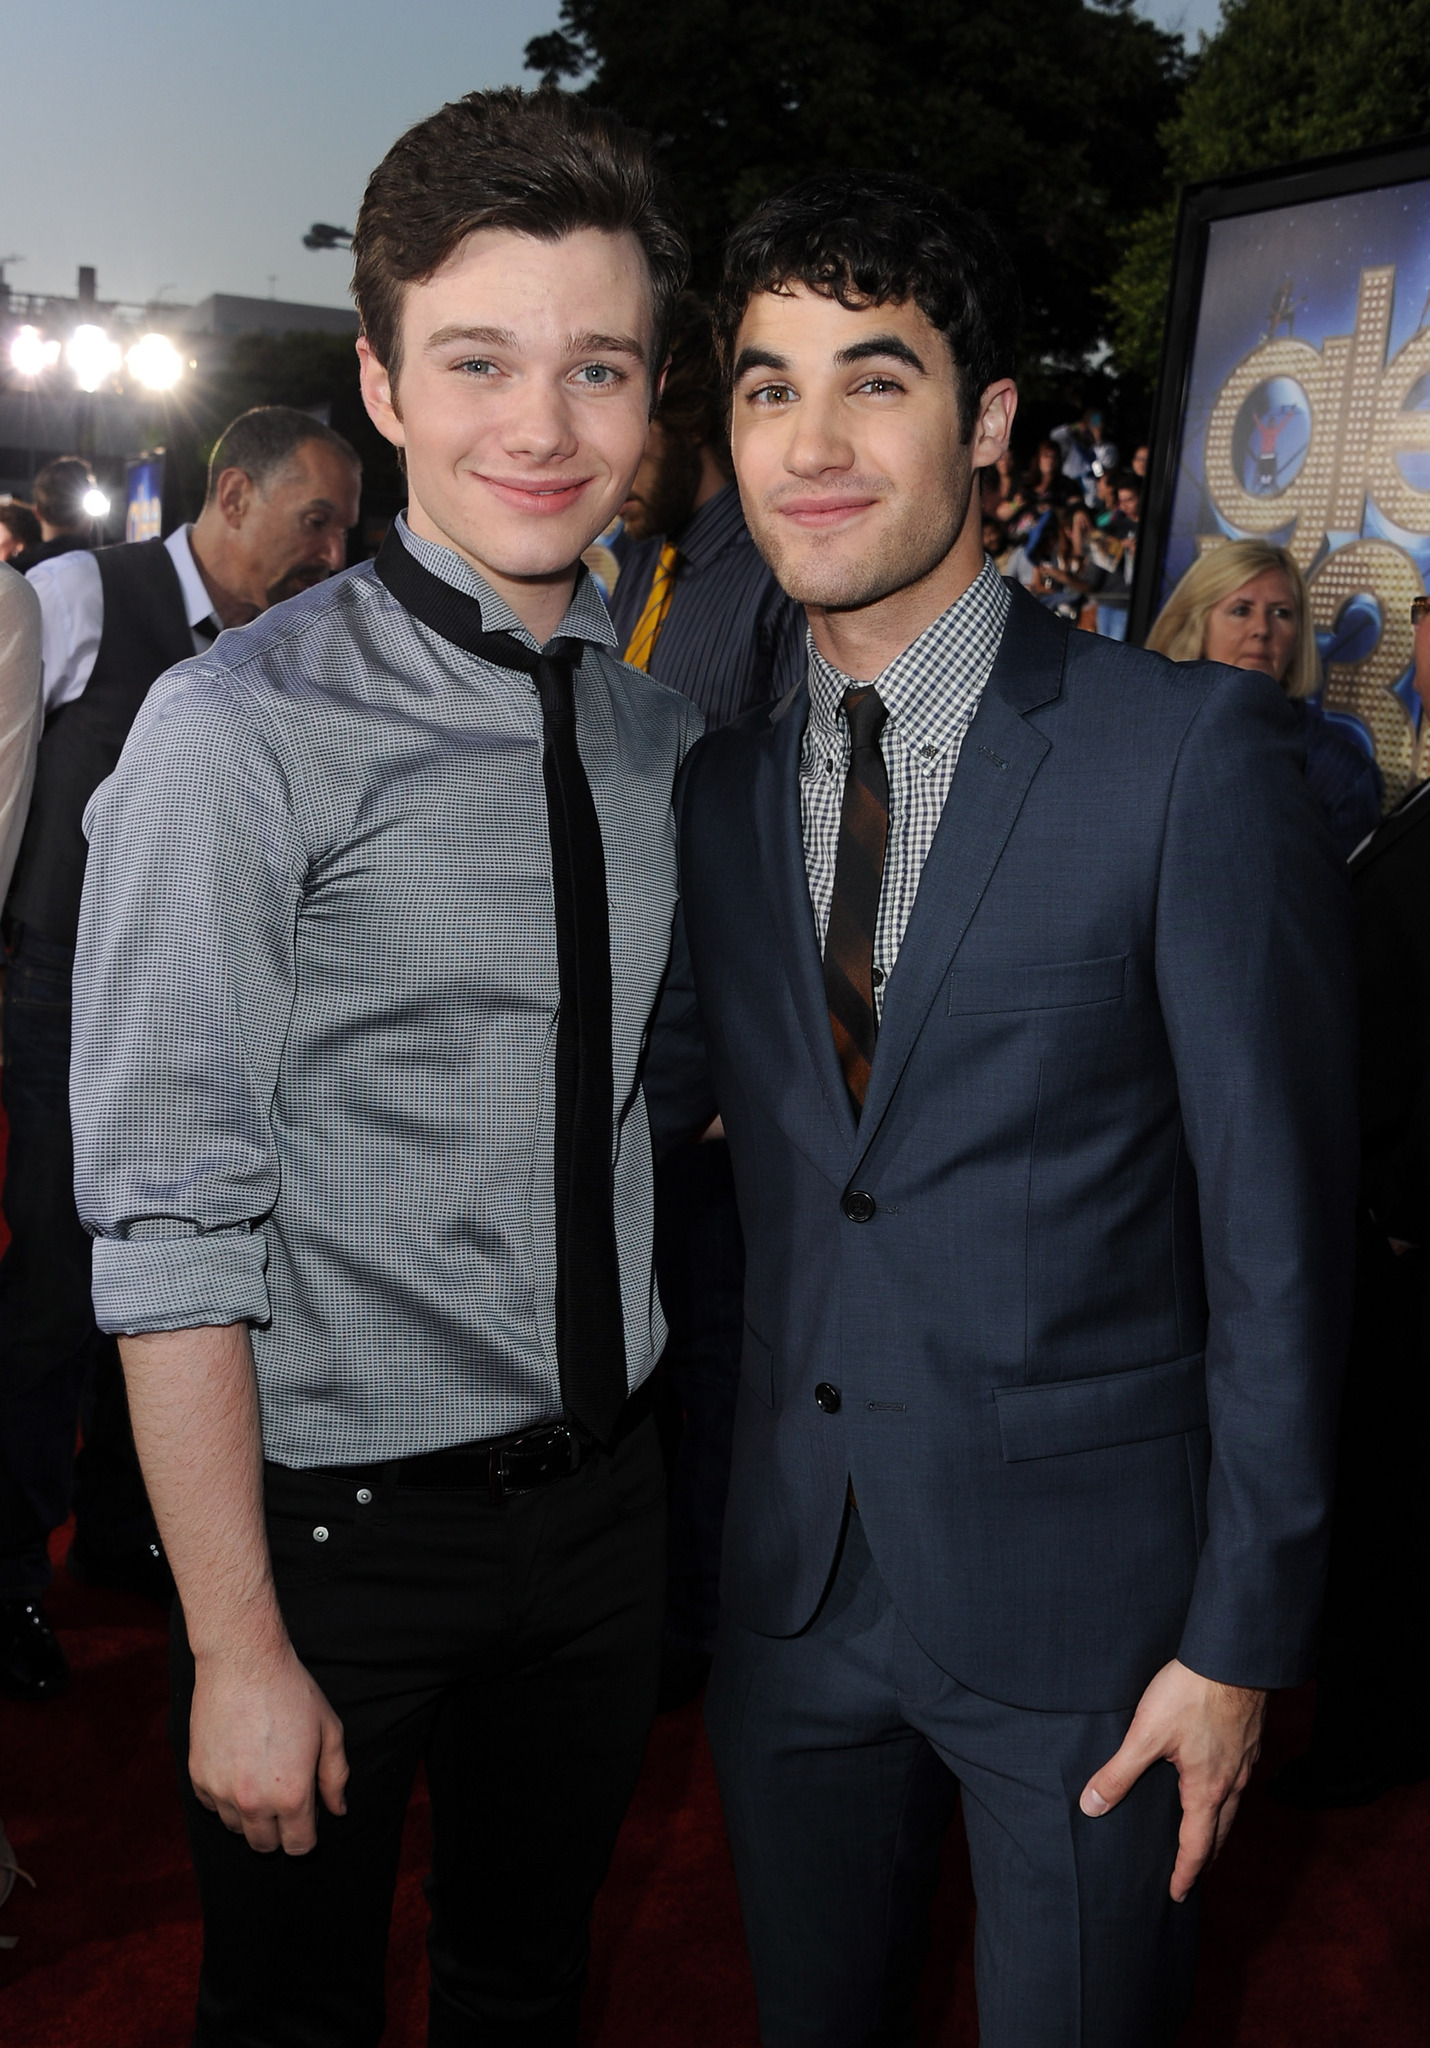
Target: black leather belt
[{"x": 528, "y": 1458}]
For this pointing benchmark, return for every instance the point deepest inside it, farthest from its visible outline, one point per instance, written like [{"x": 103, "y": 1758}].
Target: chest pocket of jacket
[{"x": 1059, "y": 985}]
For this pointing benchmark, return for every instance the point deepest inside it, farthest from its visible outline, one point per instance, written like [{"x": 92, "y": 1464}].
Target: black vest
[{"x": 146, "y": 630}]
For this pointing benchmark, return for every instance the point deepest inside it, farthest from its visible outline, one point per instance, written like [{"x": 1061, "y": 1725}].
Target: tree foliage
[
  {"x": 1044, "y": 113},
  {"x": 1281, "y": 80}
]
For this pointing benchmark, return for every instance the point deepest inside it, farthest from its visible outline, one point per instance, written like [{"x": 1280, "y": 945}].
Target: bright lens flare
[
  {"x": 31, "y": 354},
  {"x": 92, "y": 356},
  {"x": 95, "y": 504},
  {"x": 155, "y": 363}
]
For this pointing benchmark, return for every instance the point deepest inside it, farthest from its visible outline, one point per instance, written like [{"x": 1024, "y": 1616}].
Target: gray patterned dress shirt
[
  {"x": 316, "y": 993},
  {"x": 931, "y": 692}
]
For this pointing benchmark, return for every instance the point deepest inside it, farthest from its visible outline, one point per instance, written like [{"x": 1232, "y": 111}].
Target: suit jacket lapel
[
  {"x": 780, "y": 838},
  {"x": 1000, "y": 755}
]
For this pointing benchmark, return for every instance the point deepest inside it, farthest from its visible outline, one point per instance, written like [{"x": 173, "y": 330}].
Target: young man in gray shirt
[{"x": 378, "y": 903}]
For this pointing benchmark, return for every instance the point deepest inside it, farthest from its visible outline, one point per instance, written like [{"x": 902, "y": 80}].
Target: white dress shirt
[
  {"x": 19, "y": 712},
  {"x": 72, "y": 614}
]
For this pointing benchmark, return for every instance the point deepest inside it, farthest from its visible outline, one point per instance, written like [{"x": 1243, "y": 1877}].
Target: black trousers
[
  {"x": 700, "y": 1267},
  {"x": 515, "y": 1648},
  {"x": 56, "y": 1369}
]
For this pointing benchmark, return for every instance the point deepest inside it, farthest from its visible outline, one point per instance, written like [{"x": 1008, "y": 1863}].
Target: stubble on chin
[{"x": 836, "y": 573}]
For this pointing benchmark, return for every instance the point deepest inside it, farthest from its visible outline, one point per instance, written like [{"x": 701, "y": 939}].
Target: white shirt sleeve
[
  {"x": 19, "y": 712},
  {"x": 72, "y": 620}
]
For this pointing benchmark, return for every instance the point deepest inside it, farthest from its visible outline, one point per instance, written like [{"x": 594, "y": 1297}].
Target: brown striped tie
[{"x": 858, "y": 880}]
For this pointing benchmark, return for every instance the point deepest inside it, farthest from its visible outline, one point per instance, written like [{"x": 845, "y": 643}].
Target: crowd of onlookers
[{"x": 1064, "y": 525}]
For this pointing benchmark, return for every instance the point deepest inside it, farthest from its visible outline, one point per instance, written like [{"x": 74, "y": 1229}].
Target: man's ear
[
  {"x": 657, "y": 389},
  {"x": 379, "y": 395},
  {"x": 993, "y": 428},
  {"x": 234, "y": 494}
]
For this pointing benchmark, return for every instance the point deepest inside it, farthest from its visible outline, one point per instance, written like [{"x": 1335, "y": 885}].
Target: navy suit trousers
[{"x": 840, "y": 1753}]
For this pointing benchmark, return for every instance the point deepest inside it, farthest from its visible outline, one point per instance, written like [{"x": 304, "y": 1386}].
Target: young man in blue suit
[{"x": 1022, "y": 968}]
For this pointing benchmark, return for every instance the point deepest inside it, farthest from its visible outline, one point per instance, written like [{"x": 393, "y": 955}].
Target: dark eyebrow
[
  {"x": 758, "y": 359},
  {"x": 881, "y": 345}
]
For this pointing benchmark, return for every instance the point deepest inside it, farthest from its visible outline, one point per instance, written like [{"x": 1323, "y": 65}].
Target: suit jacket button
[
  {"x": 859, "y": 1207},
  {"x": 827, "y": 1398}
]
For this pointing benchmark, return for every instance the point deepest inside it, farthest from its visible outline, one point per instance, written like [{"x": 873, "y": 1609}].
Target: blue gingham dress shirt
[
  {"x": 931, "y": 692},
  {"x": 316, "y": 994}
]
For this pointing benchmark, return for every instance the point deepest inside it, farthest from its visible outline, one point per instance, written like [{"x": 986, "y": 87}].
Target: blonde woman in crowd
[{"x": 1245, "y": 604}]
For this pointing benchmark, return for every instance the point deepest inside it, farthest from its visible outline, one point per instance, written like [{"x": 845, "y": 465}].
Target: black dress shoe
[
  {"x": 32, "y": 1664},
  {"x": 143, "y": 1570}
]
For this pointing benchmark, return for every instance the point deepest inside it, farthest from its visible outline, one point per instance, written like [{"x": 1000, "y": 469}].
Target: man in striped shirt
[{"x": 698, "y": 607}]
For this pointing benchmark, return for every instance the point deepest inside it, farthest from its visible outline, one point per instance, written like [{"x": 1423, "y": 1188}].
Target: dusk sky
[{"x": 183, "y": 146}]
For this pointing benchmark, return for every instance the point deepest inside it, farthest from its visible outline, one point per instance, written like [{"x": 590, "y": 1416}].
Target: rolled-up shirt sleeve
[{"x": 184, "y": 978}]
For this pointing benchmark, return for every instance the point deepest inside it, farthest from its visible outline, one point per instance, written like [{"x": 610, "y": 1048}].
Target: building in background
[{"x": 117, "y": 382}]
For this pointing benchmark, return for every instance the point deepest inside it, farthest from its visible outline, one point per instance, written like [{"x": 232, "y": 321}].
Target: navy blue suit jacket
[{"x": 1087, "y": 1337}]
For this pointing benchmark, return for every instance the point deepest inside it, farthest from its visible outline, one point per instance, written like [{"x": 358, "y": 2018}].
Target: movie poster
[{"x": 1306, "y": 421}]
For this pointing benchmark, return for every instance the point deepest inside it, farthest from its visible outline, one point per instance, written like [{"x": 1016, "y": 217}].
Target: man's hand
[
  {"x": 261, "y": 1735},
  {"x": 1212, "y": 1733}
]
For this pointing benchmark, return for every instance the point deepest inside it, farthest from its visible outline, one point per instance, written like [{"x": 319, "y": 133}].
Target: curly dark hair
[
  {"x": 537, "y": 163},
  {"x": 878, "y": 238}
]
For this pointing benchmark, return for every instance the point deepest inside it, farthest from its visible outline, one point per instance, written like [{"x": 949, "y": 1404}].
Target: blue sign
[
  {"x": 1307, "y": 423},
  {"x": 144, "y": 499}
]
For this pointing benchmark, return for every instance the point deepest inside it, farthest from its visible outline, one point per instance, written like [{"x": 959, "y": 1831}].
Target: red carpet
[{"x": 1316, "y": 1928}]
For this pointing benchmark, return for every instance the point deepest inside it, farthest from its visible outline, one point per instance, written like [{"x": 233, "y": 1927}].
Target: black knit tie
[{"x": 590, "y": 1329}]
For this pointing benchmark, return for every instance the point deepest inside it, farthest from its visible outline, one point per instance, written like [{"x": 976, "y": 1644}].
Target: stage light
[
  {"x": 92, "y": 356},
  {"x": 155, "y": 363},
  {"x": 30, "y": 353},
  {"x": 96, "y": 505}
]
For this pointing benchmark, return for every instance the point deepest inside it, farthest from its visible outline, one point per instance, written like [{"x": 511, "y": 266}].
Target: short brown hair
[
  {"x": 20, "y": 522},
  {"x": 535, "y": 163},
  {"x": 59, "y": 493},
  {"x": 693, "y": 401}
]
